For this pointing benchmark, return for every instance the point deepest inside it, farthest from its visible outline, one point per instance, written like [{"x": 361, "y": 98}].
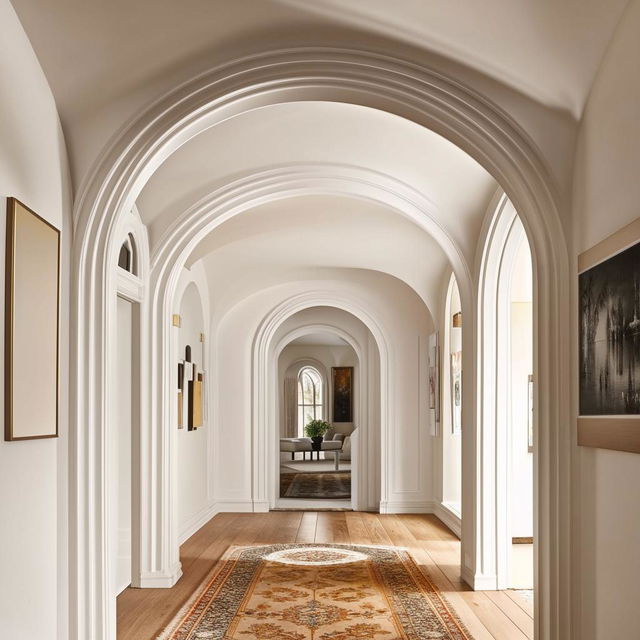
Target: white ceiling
[
  {"x": 549, "y": 50},
  {"x": 320, "y": 132},
  {"x": 320, "y": 340},
  {"x": 296, "y": 237},
  {"x": 106, "y": 60},
  {"x": 285, "y": 238},
  {"x": 94, "y": 51}
]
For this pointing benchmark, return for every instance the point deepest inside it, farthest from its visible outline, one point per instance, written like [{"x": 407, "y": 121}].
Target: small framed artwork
[
  {"x": 530, "y": 413},
  {"x": 342, "y": 394},
  {"x": 434, "y": 379},
  {"x": 195, "y": 412},
  {"x": 32, "y": 298},
  {"x": 456, "y": 392},
  {"x": 609, "y": 354},
  {"x": 181, "y": 394}
]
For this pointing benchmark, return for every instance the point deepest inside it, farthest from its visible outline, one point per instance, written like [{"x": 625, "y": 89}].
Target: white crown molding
[{"x": 360, "y": 77}]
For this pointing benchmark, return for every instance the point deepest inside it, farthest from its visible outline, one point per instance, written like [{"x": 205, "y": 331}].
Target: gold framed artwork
[
  {"x": 191, "y": 396},
  {"x": 32, "y": 310},
  {"x": 609, "y": 315}
]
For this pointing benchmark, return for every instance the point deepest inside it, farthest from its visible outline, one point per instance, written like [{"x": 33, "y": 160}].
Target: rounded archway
[
  {"x": 369, "y": 486},
  {"x": 366, "y": 437},
  {"x": 408, "y": 91}
]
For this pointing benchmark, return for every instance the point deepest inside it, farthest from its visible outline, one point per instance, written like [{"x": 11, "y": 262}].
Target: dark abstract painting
[
  {"x": 343, "y": 394},
  {"x": 610, "y": 336}
]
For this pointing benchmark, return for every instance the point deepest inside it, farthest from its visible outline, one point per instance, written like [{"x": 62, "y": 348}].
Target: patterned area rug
[
  {"x": 331, "y": 485},
  {"x": 316, "y": 592}
]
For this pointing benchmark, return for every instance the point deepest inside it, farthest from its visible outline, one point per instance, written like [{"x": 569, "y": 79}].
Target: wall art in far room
[{"x": 342, "y": 394}]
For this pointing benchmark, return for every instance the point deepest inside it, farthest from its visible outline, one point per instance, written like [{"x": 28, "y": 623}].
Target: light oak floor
[{"x": 500, "y": 615}]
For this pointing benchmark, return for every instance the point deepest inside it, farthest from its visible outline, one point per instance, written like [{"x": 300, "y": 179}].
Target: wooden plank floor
[{"x": 499, "y": 615}]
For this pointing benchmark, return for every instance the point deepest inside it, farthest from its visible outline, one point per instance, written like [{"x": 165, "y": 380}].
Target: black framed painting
[{"x": 609, "y": 353}]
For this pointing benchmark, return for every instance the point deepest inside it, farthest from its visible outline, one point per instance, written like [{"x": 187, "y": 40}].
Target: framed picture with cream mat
[
  {"x": 32, "y": 299},
  {"x": 609, "y": 350}
]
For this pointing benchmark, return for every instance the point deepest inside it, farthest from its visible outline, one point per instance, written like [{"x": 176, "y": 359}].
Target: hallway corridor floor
[{"x": 500, "y": 615}]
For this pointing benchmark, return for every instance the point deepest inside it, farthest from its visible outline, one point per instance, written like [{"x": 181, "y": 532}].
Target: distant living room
[{"x": 317, "y": 388}]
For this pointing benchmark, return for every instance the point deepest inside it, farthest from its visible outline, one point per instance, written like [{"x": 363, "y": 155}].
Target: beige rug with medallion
[{"x": 316, "y": 592}]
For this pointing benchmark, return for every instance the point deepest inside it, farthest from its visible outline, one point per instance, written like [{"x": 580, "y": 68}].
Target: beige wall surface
[
  {"x": 33, "y": 474},
  {"x": 606, "y": 198}
]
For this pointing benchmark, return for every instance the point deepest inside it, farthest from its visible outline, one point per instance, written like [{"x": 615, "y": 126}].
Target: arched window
[
  {"x": 127, "y": 258},
  {"x": 309, "y": 397}
]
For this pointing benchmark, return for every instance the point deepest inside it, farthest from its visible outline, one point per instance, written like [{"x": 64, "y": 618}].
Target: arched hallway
[{"x": 227, "y": 183}]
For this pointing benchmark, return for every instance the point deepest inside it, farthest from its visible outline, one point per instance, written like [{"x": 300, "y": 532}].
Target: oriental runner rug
[{"x": 316, "y": 592}]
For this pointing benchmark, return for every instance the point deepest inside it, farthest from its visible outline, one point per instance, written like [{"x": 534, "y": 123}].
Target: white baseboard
[
  {"x": 235, "y": 506},
  {"x": 303, "y": 504},
  {"x": 479, "y": 582},
  {"x": 157, "y": 580},
  {"x": 406, "y": 506},
  {"x": 449, "y": 518},
  {"x": 260, "y": 506},
  {"x": 196, "y": 522}
]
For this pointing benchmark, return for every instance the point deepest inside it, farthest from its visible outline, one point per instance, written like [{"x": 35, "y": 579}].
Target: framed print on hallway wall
[
  {"x": 530, "y": 413},
  {"x": 609, "y": 353},
  {"x": 456, "y": 392},
  {"x": 32, "y": 285},
  {"x": 434, "y": 381}
]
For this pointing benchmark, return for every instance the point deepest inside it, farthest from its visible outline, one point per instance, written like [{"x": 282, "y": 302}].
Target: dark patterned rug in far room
[{"x": 329, "y": 485}]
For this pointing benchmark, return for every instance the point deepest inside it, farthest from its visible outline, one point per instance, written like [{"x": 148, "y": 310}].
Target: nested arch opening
[
  {"x": 469, "y": 122},
  {"x": 319, "y": 333}
]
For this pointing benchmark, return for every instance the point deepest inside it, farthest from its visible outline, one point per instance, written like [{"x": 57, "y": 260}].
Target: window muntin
[{"x": 310, "y": 404}]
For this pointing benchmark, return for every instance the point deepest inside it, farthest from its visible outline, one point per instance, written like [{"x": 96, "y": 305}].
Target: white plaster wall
[
  {"x": 451, "y": 342},
  {"x": 606, "y": 197},
  {"x": 521, "y": 461},
  {"x": 402, "y": 317},
  {"x": 33, "y": 474},
  {"x": 193, "y": 461}
]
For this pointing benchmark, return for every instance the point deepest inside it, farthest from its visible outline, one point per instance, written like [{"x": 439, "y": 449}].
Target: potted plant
[{"x": 315, "y": 429}]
